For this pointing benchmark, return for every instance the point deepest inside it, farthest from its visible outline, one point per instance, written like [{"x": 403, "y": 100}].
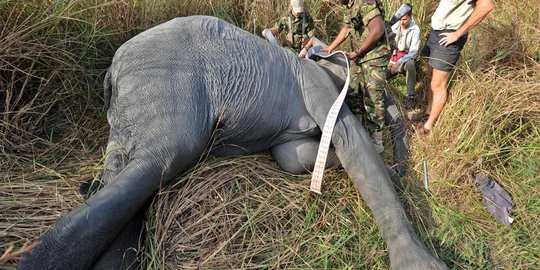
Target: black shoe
[
  {"x": 419, "y": 117},
  {"x": 411, "y": 103}
]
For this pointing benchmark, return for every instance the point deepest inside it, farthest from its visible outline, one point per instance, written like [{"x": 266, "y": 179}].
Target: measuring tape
[
  {"x": 268, "y": 34},
  {"x": 326, "y": 137}
]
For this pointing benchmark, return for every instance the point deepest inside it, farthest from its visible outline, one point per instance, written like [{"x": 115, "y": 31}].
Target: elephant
[{"x": 197, "y": 86}]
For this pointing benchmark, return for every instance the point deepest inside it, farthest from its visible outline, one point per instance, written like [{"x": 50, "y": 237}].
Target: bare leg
[
  {"x": 429, "y": 76},
  {"x": 439, "y": 84}
]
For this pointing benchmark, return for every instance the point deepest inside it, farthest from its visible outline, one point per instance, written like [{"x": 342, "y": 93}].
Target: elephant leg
[
  {"x": 79, "y": 238},
  {"x": 298, "y": 156},
  {"x": 116, "y": 160},
  {"x": 123, "y": 251}
]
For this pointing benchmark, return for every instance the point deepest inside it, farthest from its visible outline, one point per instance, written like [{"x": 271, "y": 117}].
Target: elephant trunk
[
  {"x": 367, "y": 170},
  {"x": 393, "y": 119},
  {"x": 87, "y": 231}
]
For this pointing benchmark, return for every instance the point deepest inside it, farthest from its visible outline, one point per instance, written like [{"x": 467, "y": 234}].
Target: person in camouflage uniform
[
  {"x": 298, "y": 26},
  {"x": 364, "y": 26}
]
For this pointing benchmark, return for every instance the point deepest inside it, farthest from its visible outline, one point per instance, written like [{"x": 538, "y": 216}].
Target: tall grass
[
  {"x": 51, "y": 60},
  {"x": 491, "y": 125},
  {"x": 53, "y": 55}
]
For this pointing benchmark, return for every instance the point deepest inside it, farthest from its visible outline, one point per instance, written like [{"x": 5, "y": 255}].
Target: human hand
[
  {"x": 448, "y": 38},
  {"x": 394, "y": 68},
  {"x": 327, "y": 49},
  {"x": 351, "y": 55},
  {"x": 303, "y": 53}
]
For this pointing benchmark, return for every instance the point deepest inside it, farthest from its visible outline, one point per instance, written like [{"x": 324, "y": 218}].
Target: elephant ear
[{"x": 335, "y": 65}]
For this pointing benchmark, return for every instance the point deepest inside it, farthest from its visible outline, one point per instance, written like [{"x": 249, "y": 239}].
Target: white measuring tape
[
  {"x": 326, "y": 137},
  {"x": 268, "y": 34}
]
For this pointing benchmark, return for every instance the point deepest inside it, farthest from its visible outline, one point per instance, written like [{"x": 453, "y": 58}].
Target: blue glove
[{"x": 496, "y": 200}]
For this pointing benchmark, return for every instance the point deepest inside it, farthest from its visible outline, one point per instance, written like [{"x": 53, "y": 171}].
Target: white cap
[{"x": 297, "y": 6}]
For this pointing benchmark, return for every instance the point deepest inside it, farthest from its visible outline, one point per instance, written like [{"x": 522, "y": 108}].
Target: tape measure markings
[{"x": 328, "y": 129}]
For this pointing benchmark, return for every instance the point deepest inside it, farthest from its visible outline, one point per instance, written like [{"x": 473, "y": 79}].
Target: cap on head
[
  {"x": 404, "y": 9},
  {"x": 297, "y": 6}
]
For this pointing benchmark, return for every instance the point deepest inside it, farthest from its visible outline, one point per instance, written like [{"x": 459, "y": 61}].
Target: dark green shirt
[
  {"x": 298, "y": 30},
  {"x": 357, "y": 19}
]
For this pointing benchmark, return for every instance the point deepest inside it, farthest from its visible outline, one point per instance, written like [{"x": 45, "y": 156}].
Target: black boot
[{"x": 411, "y": 103}]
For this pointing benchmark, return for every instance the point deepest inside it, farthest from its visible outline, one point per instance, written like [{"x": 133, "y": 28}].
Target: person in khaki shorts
[{"x": 450, "y": 25}]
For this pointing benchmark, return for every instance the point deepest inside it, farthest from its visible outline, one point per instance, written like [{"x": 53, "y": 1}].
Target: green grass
[{"x": 245, "y": 212}]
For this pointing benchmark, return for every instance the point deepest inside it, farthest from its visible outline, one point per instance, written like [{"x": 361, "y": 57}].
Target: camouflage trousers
[{"x": 365, "y": 94}]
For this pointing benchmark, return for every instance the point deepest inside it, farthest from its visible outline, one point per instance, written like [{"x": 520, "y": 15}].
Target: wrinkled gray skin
[{"x": 168, "y": 90}]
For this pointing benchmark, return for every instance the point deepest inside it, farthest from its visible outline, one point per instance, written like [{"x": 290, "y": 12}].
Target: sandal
[{"x": 422, "y": 131}]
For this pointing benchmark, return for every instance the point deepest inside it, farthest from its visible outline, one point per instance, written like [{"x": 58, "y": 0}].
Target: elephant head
[
  {"x": 199, "y": 84},
  {"x": 336, "y": 67}
]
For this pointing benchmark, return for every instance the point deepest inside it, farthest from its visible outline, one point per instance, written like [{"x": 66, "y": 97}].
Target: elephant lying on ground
[{"x": 199, "y": 83}]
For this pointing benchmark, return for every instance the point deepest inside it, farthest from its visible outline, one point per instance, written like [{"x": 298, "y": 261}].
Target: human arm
[
  {"x": 481, "y": 10},
  {"x": 279, "y": 26},
  {"x": 376, "y": 31},
  {"x": 304, "y": 50},
  {"x": 343, "y": 33},
  {"x": 310, "y": 32},
  {"x": 274, "y": 31}
]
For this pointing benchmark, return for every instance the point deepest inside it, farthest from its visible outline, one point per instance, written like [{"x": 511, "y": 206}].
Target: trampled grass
[{"x": 245, "y": 212}]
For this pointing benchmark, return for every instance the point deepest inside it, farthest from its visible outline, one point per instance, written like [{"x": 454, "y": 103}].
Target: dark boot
[{"x": 411, "y": 103}]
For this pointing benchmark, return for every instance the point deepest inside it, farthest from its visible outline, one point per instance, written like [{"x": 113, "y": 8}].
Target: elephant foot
[{"x": 408, "y": 253}]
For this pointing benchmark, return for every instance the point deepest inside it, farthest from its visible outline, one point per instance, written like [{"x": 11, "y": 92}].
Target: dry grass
[
  {"x": 247, "y": 213},
  {"x": 31, "y": 201}
]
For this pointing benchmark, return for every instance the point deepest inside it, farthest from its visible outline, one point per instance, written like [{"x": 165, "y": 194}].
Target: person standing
[
  {"x": 451, "y": 23},
  {"x": 407, "y": 38},
  {"x": 298, "y": 26},
  {"x": 364, "y": 26}
]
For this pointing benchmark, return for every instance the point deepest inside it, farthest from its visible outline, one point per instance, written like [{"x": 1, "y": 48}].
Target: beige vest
[{"x": 452, "y": 14}]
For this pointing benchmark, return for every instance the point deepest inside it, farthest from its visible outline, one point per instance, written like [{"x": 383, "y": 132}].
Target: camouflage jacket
[
  {"x": 357, "y": 19},
  {"x": 298, "y": 30}
]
